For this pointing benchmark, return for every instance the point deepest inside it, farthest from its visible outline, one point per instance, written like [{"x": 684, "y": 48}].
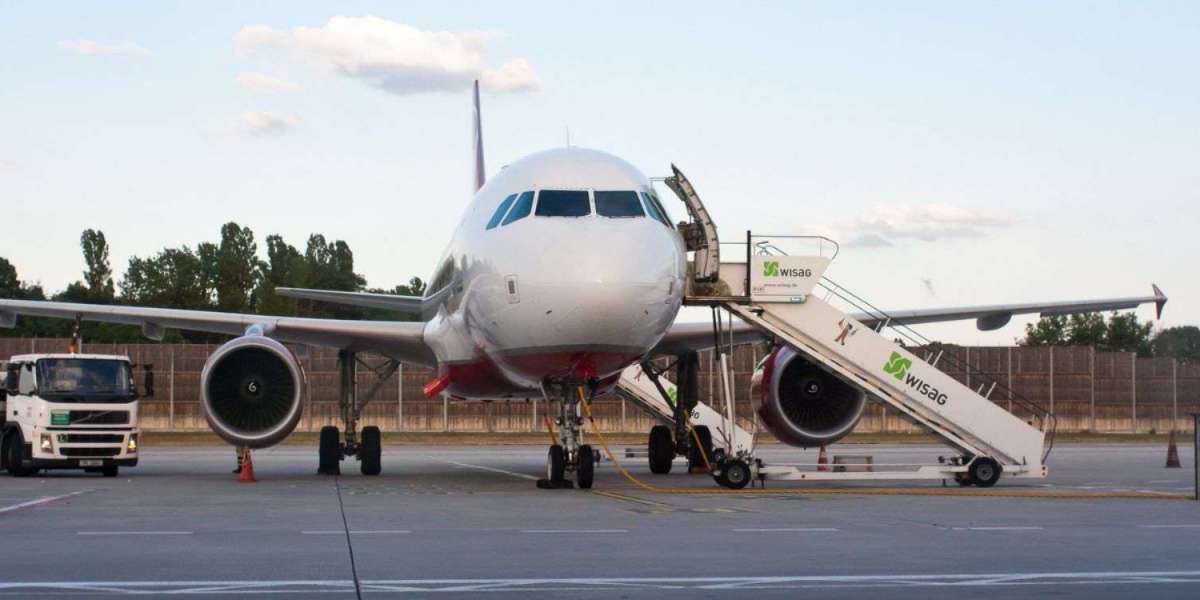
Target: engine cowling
[
  {"x": 252, "y": 390},
  {"x": 801, "y": 403}
]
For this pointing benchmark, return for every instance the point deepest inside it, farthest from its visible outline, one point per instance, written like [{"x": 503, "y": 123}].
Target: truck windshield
[{"x": 96, "y": 380}]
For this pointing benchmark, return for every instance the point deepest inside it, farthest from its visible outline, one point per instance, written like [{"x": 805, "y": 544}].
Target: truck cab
[{"x": 68, "y": 411}]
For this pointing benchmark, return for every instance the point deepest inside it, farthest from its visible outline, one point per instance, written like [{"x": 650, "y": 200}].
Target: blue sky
[{"x": 967, "y": 153}]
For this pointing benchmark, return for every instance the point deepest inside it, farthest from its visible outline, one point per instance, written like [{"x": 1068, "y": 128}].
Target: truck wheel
[
  {"x": 735, "y": 474},
  {"x": 661, "y": 450},
  {"x": 14, "y": 456},
  {"x": 371, "y": 451},
  {"x": 110, "y": 470},
  {"x": 329, "y": 452},
  {"x": 695, "y": 460},
  {"x": 984, "y": 472}
]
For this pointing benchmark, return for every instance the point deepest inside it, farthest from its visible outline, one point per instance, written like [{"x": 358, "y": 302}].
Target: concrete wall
[{"x": 1090, "y": 391}]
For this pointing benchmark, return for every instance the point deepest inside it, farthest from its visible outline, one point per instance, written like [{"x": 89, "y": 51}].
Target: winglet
[
  {"x": 480, "y": 174},
  {"x": 1160, "y": 300}
]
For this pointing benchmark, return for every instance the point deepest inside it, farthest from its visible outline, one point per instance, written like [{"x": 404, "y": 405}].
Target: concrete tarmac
[{"x": 461, "y": 521}]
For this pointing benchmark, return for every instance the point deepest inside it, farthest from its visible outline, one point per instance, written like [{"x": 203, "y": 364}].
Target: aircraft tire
[
  {"x": 556, "y": 464},
  {"x": 371, "y": 451},
  {"x": 329, "y": 452},
  {"x": 585, "y": 471},
  {"x": 661, "y": 450}
]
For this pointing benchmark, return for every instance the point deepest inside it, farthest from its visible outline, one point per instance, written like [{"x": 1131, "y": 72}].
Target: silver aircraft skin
[{"x": 529, "y": 299}]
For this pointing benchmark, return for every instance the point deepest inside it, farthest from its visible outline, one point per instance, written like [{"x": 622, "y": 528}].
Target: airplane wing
[
  {"x": 401, "y": 340},
  {"x": 402, "y": 304},
  {"x": 699, "y": 336}
]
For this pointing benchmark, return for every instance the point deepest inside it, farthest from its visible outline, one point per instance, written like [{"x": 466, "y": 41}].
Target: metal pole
[
  {"x": 171, "y": 394},
  {"x": 1051, "y": 379},
  {"x": 1133, "y": 391},
  {"x": 400, "y": 397},
  {"x": 1196, "y": 453},
  {"x": 1174, "y": 394},
  {"x": 533, "y": 424},
  {"x": 445, "y": 413},
  {"x": 1092, "y": 380},
  {"x": 1010, "y": 387}
]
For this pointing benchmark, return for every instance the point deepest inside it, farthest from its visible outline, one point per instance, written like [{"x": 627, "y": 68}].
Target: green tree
[
  {"x": 1046, "y": 331},
  {"x": 1181, "y": 343},
  {"x": 173, "y": 278},
  {"x": 1121, "y": 332},
  {"x": 99, "y": 276},
  {"x": 237, "y": 268}
]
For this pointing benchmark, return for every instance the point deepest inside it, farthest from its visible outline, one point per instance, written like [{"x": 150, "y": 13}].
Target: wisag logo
[
  {"x": 897, "y": 366},
  {"x": 771, "y": 269}
]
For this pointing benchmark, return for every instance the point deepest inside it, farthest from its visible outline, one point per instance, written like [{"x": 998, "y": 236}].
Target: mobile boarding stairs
[{"x": 785, "y": 296}]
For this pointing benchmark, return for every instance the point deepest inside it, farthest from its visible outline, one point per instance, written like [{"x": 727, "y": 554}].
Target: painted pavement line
[
  {"x": 134, "y": 532},
  {"x": 491, "y": 469},
  {"x": 355, "y": 531},
  {"x": 41, "y": 501},
  {"x": 1001, "y": 528},
  {"x": 574, "y": 531},
  {"x": 783, "y": 529},
  {"x": 1182, "y": 526}
]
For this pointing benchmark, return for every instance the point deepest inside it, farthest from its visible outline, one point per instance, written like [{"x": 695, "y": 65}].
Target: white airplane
[{"x": 564, "y": 270}]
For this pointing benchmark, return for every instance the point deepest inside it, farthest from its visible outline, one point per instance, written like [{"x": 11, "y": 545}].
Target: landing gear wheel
[
  {"x": 695, "y": 459},
  {"x": 370, "y": 451},
  {"x": 110, "y": 470},
  {"x": 556, "y": 464},
  {"x": 13, "y": 457},
  {"x": 661, "y": 450},
  {"x": 329, "y": 452},
  {"x": 984, "y": 472},
  {"x": 586, "y": 468},
  {"x": 734, "y": 474}
]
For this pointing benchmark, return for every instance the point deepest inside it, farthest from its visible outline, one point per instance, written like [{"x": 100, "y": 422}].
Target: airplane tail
[{"x": 480, "y": 174}]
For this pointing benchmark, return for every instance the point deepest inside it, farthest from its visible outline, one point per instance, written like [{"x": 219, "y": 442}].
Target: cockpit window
[
  {"x": 655, "y": 209},
  {"x": 521, "y": 209},
  {"x": 618, "y": 204},
  {"x": 563, "y": 203},
  {"x": 500, "y": 211}
]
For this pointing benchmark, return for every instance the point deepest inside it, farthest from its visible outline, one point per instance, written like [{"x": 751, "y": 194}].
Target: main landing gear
[
  {"x": 368, "y": 447},
  {"x": 569, "y": 458},
  {"x": 680, "y": 439}
]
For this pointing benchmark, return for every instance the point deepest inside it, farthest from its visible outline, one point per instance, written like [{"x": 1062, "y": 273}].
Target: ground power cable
[
  {"x": 349, "y": 545},
  {"x": 957, "y": 492}
]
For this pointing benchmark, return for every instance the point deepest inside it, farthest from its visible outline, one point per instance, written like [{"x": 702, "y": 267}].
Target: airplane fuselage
[{"x": 574, "y": 289}]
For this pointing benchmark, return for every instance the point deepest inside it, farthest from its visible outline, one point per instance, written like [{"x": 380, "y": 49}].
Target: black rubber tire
[
  {"x": 13, "y": 451},
  {"x": 984, "y": 472},
  {"x": 370, "y": 451},
  {"x": 661, "y": 449},
  {"x": 735, "y": 474},
  {"x": 329, "y": 452},
  {"x": 586, "y": 469},
  {"x": 110, "y": 470},
  {"x": 695, "y": 460},
  {"x": 556, "y": 464}
]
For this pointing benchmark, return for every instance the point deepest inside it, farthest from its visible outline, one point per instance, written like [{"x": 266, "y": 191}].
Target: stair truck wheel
[
  {"x": 586, "y": 469},
  {"x": 371, "y": 451},
  {"x": 695, "y": 460},
  {"x": 556, "y": 464},
  {"x": 661, "y": 449},
  {"x": 14, "y": 456},
  {"x": 984, "y": 472},
  {"x": 735, "y": 474},
  {"x": 329, "y": 452},
  {"x": 110, "y": 471}
]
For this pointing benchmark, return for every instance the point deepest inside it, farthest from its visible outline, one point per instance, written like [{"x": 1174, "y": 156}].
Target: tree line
[
  {"x": 1120, "y": 332},
  {"x": 226, "y": 276}
]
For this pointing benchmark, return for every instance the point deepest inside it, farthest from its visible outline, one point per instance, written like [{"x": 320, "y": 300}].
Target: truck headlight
[
  {"x": 132, "y": 445},
  {"x": 47, "y": 443}
]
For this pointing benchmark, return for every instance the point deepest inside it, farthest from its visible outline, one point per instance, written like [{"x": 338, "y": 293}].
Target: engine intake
[
  {"x": 803, "y": 404},
  {"x": 251, "y": 391}
]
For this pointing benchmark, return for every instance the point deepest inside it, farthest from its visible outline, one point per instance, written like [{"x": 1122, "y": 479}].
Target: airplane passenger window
[
  {"x": 653, "y": 208},
  {"x": 500, "y": 211},
  {"x": 618, "y": 204},
  {"x": 563, "y": 203},
  {"x": 521, "y": 209}
]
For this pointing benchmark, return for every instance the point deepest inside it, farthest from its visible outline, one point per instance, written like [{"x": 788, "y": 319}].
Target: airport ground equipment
[
  {"x": 69, "y": 411},
  {"x": 848, "y": 358}
]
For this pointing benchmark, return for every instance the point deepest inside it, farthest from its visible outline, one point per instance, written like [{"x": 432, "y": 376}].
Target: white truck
[{"x": 68, "y": 411}]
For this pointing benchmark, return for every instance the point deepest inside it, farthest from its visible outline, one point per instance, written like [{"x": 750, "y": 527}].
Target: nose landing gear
[{"x": 569, "y": 462}]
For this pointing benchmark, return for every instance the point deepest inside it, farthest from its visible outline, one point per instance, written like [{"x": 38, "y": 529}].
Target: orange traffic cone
[
  {"x": 247, "y": 474},
  {"x": 1172, "y": 453},
  {"x": 822, "y": 460}
]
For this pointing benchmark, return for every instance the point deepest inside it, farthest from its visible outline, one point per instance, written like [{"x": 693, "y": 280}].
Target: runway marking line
[
  {"x": 574, "y": 531},
  {"x": 1186, "y": 526},
  {"x": 41, "y": 501},
  {"x": 491, "y": 469},
  {"x": 1000, "y": 528},
  {"x": 134, "y": 532},
  {"x": 355, "y": 531},
  {"x": 783, "y": 529}
]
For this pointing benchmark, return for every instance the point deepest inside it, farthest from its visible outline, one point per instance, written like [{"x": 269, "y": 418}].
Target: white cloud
[
  {"x": 94, "y": 48},
  {"x": 396, "y": 57},
  {"x": 265, "y": 83},
  {"x": 262, "y": 124},
  {"x": 927, "y": 222}
]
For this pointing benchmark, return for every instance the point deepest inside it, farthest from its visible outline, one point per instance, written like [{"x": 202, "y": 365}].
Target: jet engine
[
  {"x": 251, "y": 390},
  {"x": 801, "y": 403}
]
